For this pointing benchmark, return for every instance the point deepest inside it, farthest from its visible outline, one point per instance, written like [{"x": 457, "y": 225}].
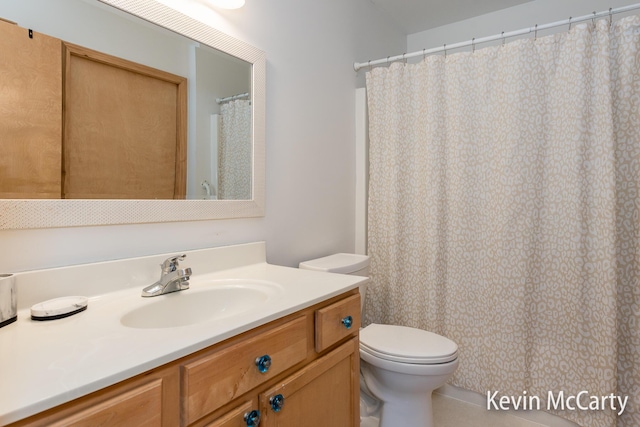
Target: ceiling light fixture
[{"x": 226, "y": 4}]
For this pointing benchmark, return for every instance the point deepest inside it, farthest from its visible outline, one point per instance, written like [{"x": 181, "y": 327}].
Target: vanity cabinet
[{"x": 276, "y": 371}]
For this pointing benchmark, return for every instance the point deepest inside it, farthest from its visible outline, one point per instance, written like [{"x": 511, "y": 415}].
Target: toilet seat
[{"x": 404, "y": 344}]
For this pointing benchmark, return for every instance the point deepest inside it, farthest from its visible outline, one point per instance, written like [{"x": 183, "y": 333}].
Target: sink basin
[{"x": 204, "y": 301}]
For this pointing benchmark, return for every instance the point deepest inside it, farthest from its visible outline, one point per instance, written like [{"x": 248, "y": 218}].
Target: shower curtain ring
[
  {"x": 424, "y": 55},
  {"x": 593, "y": 20},
  {"x": 370, "y": 65},
  {"x": 503, "y": 39},
  {"x": 570, "y": 23},
  {"x": 610, "y": 17},
  {"x": 404, "y": 59},
  {"x": 536, "y": 33},
  {"x": 445, "y": 50},
  {"x": 473, "y": 45}
]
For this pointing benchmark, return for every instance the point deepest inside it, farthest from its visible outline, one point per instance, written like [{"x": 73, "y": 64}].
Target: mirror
[{"x": 205, "y": 46}]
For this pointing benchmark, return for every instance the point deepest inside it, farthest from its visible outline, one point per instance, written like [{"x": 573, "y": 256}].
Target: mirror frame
[{"x": 26, "y": 214}]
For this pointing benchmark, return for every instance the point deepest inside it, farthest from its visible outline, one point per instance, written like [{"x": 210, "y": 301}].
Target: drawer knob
[
  {"x": 263, "y": 363},
  {"x": 252, "y": 418},
  {"x": 347, "y": 322},
  {"x": 277, "y": 402}
]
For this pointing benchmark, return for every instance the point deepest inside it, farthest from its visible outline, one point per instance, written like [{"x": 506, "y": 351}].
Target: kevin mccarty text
[{"x": 582, "y": 401}]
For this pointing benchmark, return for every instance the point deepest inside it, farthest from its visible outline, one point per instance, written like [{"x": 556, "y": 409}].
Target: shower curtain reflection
[
  {"x": 235, "y": 151},
  {"x": 503, "y": 212}
]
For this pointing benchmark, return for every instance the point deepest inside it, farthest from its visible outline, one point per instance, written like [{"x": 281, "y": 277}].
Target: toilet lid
[
  {"x": 407, "y": 345},
  {"x": 337, "y": 263}
]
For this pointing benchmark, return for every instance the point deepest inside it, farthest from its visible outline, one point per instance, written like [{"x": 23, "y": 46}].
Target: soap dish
[{"x": 59, "y": 308}]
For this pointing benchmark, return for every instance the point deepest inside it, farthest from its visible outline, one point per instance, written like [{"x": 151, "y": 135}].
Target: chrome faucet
[{"x": 172, "y": 278}]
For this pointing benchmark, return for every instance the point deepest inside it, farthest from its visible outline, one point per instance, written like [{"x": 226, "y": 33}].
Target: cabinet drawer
[
  {"x": 212, "y": 381},
  {"x": 337, "y": 321},
  {"x": 140, "y": 407}
]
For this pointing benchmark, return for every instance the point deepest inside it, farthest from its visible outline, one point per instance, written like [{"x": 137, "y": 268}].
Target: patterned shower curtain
[
  {"x": 504, "y": 212},
  {"x": 235, "y": 154}
]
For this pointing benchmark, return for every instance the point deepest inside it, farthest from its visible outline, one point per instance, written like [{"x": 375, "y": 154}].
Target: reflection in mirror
[
  {"x": 18, "y": 213},
  {"x": 148, "y": 113}
]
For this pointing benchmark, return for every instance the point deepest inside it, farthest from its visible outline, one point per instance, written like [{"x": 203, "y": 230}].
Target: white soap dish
[{"x": 59, "y": 308}]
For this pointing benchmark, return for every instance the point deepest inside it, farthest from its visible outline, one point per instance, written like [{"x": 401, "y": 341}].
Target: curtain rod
[
  {"x": 232, "y": 98},
  {"x": 424, "y": 52}
]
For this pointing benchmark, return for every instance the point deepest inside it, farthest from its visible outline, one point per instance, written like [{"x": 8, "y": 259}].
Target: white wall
[
  {"x": 514, "y": 18},
  {"x": 310, "y": 173},
  {"x": 362, "y": 172}
]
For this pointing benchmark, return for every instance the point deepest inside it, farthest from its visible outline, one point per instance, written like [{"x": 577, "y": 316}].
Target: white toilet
[{"x": 400, "y": 366}]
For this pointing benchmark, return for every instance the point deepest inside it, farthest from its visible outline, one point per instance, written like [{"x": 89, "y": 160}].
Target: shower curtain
[
  {"x": 504, "y": 212},
  {"x": 235, "y": 155}
]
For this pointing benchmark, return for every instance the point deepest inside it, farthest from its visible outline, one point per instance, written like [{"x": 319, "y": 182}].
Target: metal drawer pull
[
  {"x": 277, "y": 402},
  {"x": 263, "y": 363},
  {"x": 347, "y": 322},
  {"x": 252, "y": 418}
]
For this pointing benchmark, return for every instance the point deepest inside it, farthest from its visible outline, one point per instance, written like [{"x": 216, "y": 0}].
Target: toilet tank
[{"x": 353, "y": 264}]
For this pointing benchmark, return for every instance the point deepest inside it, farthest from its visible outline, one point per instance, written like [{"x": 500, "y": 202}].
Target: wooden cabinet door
[
  {"x": 30, "y": 114},
  {"x": 149, "y": 400},
  {"x": 124, "y": 129},
  {"x": 324, "y": 393},
  {"x": 237, "y": 417}
]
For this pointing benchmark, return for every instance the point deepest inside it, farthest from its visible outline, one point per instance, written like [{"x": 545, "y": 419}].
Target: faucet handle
[{"x": 171, "y": 264}]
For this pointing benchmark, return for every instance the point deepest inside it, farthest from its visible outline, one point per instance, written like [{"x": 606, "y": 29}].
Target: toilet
[{"x": 400, "y": 366}]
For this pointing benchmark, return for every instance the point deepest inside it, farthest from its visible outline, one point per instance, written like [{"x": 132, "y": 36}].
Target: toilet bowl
[{"x": 400, "y": 366}]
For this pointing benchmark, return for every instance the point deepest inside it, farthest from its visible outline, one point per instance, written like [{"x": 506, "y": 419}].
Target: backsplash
[{"x": 110, "y": 276}]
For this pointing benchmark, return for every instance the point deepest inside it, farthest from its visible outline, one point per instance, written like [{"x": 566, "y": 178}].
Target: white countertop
[{"x": 44, "y": 364}]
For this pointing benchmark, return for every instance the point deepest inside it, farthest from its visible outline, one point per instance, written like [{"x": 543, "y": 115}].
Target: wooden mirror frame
[{"x": 26, "y": 214}]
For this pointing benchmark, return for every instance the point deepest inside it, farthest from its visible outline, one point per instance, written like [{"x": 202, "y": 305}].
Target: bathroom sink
[{"x": 204, "y": 301}]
